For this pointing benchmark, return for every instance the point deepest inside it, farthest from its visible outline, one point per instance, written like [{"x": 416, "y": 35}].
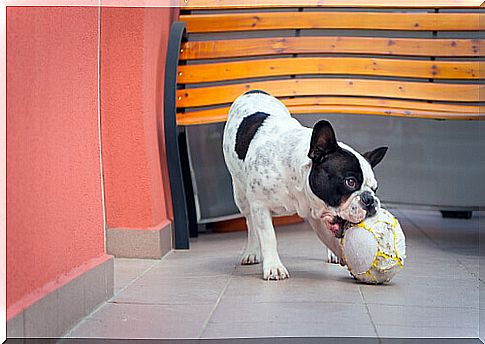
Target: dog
[{"x": 279, "y": 167}]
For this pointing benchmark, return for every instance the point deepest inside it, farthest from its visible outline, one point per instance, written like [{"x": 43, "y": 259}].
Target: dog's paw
[
  {"x": 332, "y": 258},
  {"x": 250, "y": 258},
  {"x": 275, "y": 271}
]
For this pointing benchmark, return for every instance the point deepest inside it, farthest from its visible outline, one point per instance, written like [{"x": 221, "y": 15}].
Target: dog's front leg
[
  {"x": 273, "y": 269},
  {"x": 334, "y": 250}
]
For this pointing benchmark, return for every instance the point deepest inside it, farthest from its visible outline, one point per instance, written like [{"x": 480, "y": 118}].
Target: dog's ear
[
  {"x": 323, "y": 141},
  {"x": 375, "y": 156}
]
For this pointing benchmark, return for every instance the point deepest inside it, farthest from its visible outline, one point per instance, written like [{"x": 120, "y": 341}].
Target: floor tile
[
  {"x": 308, "y": 263},
  {"x": 230, "y": 311},
  {"x": 424, "y": 291},
  {"x": 448, "y": 233},
  {"x": 160, "y": 289},
  {"x": 302, "y": 286},
  {"x": 179, "y": 265},
  {"x": 126, "y": 270},
  {"x": 424, "y": 316},
  {"x": 446, "y": 268},
  {"x": 144, "y": 321},
  {"x": 425, "y": 332},
  {"x": 277, "y": 329},
  {"x": 470, "y": 264}
]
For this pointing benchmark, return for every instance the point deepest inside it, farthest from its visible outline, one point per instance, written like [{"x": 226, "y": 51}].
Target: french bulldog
[{"x": 279, "y": 167}]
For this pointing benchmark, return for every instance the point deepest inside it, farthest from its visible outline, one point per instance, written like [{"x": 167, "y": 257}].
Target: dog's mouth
[{"x": 337, "y": 225}]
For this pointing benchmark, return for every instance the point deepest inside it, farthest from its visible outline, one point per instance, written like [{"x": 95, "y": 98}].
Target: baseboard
[
  {"x": 152, "y": 243},
  {"x": 55, "y": 313}
]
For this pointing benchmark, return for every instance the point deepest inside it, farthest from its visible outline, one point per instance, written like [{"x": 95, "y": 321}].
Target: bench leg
[
  {"x": 448, "y": 214},
  {"x": 189, "y": 190},
  {"x": 177, "y": 190}
]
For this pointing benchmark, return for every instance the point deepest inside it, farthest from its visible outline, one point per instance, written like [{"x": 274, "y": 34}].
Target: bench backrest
[{"x": 374, "y": 60}]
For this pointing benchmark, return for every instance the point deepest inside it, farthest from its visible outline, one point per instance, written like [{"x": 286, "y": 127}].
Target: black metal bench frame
[{"x": 181, "y": 189}]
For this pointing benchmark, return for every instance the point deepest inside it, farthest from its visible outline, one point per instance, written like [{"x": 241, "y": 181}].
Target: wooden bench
[{"x": 368, "y": 58}]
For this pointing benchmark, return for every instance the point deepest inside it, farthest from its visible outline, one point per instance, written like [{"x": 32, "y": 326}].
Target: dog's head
[{"x": 342, "y": 178}]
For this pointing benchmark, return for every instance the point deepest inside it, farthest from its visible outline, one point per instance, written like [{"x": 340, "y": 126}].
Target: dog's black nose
[
  {"x": 367, "y": 198},
  {"x": 369, "y": 203}
]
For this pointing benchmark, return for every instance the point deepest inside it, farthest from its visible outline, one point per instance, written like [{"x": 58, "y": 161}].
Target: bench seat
[{"x": 419, "y": 60}]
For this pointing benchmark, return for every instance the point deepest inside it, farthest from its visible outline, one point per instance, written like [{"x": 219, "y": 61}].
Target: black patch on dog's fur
[
  {"x": 256, "y": 91},
  {"x": 246, "y": 131}
]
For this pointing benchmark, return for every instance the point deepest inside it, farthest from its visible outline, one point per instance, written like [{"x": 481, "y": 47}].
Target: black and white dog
[{"x": 279, "y": 167}]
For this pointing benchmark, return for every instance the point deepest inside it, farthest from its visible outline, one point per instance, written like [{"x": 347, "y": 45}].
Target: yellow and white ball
[{"x": 375, "y": 249}]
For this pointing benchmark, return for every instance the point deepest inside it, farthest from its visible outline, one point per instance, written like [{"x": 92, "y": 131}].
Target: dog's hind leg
[
  {"x": 261, "y": 223},
  {"x": 252, "y": 252}
]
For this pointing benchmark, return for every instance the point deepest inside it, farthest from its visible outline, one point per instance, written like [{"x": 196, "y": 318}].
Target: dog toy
[{"x": 375, "y": 248}]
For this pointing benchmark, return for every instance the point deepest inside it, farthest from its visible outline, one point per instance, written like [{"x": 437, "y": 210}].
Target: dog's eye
[{"x": 351, "y": 183}]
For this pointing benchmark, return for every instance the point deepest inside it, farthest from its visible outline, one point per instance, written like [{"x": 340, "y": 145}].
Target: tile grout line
[
  {"x": 368, "y": 313},
  {"x": 464, "y": 266},
  {"x": 102, "y": 304},
  {"x": 475, "y": 276},
  {"x": 134, "y": 280},
  {"x": 204, "y": 326},
  {"x": 413, "y": 223},
  {"x": 206, "y": 323}
]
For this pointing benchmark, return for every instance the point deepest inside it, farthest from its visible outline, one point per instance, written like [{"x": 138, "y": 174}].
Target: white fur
[{"x": 273, "y": 180}]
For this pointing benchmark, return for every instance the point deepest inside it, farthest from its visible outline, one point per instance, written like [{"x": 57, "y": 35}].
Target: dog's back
[
  {"x": 261, "y": 142},
  {"x": 253, "y": 113}
]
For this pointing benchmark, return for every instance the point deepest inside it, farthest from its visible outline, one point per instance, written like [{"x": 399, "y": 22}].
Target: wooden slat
[
  {"x": 384, "y": 112},
  {"x": 331, "y": 45},
  {"x": 211, "y": 72},
  {"x": 220, "y": 114},
  {"x": 378, "y": 107},
  {"x": 331, "y": 20},
  {"x": 377, "y": 102},
  {"x": 205, "y": 96},
  {"x": 233, "y": 4}
]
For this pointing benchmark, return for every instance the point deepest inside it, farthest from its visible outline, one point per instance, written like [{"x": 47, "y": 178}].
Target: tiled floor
[{"x": 204, "y": 293}]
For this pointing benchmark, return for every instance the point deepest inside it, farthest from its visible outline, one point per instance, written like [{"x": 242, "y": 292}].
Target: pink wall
[
  {"x": 55, "y": 228},
  {"x": 54, "y": 209},
  {"x": 133, "y": 48}
]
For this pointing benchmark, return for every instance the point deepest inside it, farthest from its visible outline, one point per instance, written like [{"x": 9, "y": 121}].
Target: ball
[{"x": 375, "y": 248}]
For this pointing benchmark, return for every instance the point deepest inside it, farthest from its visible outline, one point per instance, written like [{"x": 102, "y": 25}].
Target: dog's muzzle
[{"x": 370, "y": 203}]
